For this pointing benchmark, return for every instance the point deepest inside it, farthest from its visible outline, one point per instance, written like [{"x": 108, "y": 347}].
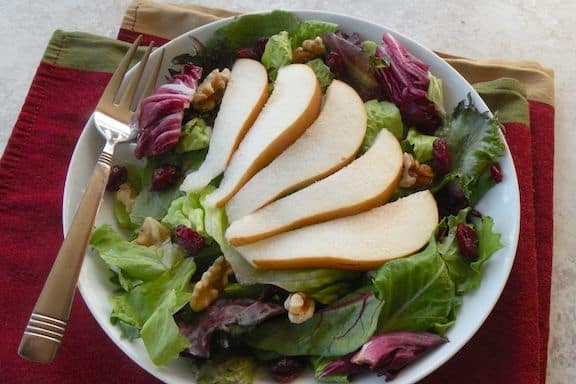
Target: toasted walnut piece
[
  {"x": 309, "y": 50},
  {"x": 300, "y": 307},
  {"x": 127, "y": 196},
  {"x": 211, "y": 284},
  {"x": 415, "y": 174},
  {"x": 211, "y": 90},
  {"x": 152, "y": 233}
]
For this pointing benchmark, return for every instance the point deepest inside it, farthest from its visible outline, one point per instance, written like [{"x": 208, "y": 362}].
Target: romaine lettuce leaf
[
  {"x": 381, "y": 114},
  {"x": 322, "y": 71},
  {"x": 135, "y": 261},
  {"x": 195, "y": 135},
  {"x": 230, "y": 370},
  {"x": 277, "y": 53},
  {"x": 417, "y": 292},
  {"x": 420, "y": 145},
  {"x": 474, "y": 143},
  {"x": 310, "y": 29},
  {"x": 160, "y": 333},
  {"x": 333, "y": 331}
]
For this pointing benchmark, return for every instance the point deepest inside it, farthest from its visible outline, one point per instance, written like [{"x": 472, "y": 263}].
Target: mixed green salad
[{"x": 170, "y": 242}]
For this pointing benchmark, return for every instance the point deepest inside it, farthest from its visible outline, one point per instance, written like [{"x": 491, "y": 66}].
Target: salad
[{"x": 191, "y": 288}]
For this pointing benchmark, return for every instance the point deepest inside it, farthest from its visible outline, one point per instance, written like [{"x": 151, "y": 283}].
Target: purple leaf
[
  {"x": 405, "y": 81},
  {"x": 352, "y": 64},
  {"x": 224, "y": 312},
  {"x": 385, "y": 354},
  {"x": 160, "y": 119}
]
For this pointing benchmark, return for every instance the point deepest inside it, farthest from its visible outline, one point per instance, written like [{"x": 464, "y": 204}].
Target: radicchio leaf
[
  {"x": 224, "y": 313},
  {"x": 405, "y": 81},
  {"x": 160, "y": 120},
  {"x": 385, "y": 354}
]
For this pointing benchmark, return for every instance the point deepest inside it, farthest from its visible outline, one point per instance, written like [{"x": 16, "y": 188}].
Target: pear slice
[
  {"x": 367, "y": 182},
  {"x": 244, "y": 97},
  {"x": 359, "y": 242},
  {"x": 329, "y": 144},
  {"x": 293, "y": 105}
]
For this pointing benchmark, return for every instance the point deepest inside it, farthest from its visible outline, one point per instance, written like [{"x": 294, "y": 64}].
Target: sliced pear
[
  {"x": 245, "y": 95},
  {"x": 329, "y": 144},
  {"x": 359, "y": 242},
  {"x": 367, "y": 182},
  {"x": 293, "y": 105}
]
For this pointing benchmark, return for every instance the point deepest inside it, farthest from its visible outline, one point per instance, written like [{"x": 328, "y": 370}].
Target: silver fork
[{"x": 49, "y": 317}]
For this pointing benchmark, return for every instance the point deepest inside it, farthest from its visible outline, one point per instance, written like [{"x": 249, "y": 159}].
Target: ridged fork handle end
[{"x": 41, "y": 338}]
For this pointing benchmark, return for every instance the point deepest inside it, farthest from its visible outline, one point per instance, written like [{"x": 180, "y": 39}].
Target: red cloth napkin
[{"x": 509, "y": 348}]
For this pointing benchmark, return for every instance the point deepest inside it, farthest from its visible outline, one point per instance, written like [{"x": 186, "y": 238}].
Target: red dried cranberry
[
  {"x": 287, "y": 369},
  {"x": 467, "y": 241},
  {"x": 336, "y": 64},
  {"x": 496, "y": 172},
  {"x": 247, "y": 53},
  {"x": 442, "y": 162},
  {"x": 451, "y": 199},
  {"x": 189, "y": 240},
  {"x": 118, "y": 176},
  {"x": 165, "y": 176}
]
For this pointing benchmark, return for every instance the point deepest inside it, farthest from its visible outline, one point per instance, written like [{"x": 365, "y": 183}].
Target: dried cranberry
[
  {"x": 118, "y": 176},
  {"x": 467, "y": 241},
  {"x": 442, "y": 162},
  {"x": 496, "y": 172},
  {"x": 287, "y": 369},
  {"x": 247, "y": 53},
  {"x": 165, "y": 176},
  {"x": 189, "y": 240},
  {"x": 451, "y": 199},
  {"x": 336, "y": 64}
]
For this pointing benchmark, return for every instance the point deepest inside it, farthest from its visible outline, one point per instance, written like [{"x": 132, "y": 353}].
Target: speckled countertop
[{"x": 523, "y": 30}]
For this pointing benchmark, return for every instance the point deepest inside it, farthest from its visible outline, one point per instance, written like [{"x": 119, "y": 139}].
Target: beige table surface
[{"x": 534, "y": 29}]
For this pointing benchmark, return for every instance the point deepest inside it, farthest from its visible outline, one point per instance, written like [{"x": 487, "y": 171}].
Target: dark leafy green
[
  {"x": 417, "y": 292},
  {"x": 334, "y": 331},
  {"x": 474, "y": 143}
]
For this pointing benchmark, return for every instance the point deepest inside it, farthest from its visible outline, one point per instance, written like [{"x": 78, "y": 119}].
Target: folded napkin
[{"x": 511, "y": 346}]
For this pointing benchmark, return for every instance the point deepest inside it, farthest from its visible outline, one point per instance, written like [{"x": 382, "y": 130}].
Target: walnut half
[
  {"x": 211, "y": 284},
  {"x": 309, "y": 50},
  {"x": 300, "y": 307},
  {"x": 152, "y": 233},
  {"x": 211, "y": 90},
  {"x": 415, "y": 174}
]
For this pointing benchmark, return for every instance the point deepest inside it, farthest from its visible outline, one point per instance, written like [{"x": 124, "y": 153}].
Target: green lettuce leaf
[
  {"x": 277, "y": 53},
  {"x": 195, "y": 135},
  {"x": 332, "y": 292},
  {"x": 369, "y": 47},
  {"x": 135, "y": 261},
  {"x": 186, "y": 210},
  {"x": 322, "y": 71},
  {"x": 160, "y": 333},
  {"x": 474, "y": 143},
  {"x": 381, "y": 114},
  {"x": 468, "y": 275},
  {"x": 308, "y": 280},
  {"x": 245, "y": 30},
  {"x": 436, "y": 93},
  {"x": 310, "y": 29},
  {"x": 230, "y": 370},
  {"x": 122, "y": 216},
  {"x": 420, "y": 145},
  {"x": 333, "y": 331},
  {"x": 417, "y": 292}
]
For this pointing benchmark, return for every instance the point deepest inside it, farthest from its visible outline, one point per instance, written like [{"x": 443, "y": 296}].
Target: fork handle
[{"x": 48, "y": 320}]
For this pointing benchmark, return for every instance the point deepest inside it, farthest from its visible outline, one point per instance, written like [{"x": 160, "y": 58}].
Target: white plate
[{"x": 502, "y": 203}]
